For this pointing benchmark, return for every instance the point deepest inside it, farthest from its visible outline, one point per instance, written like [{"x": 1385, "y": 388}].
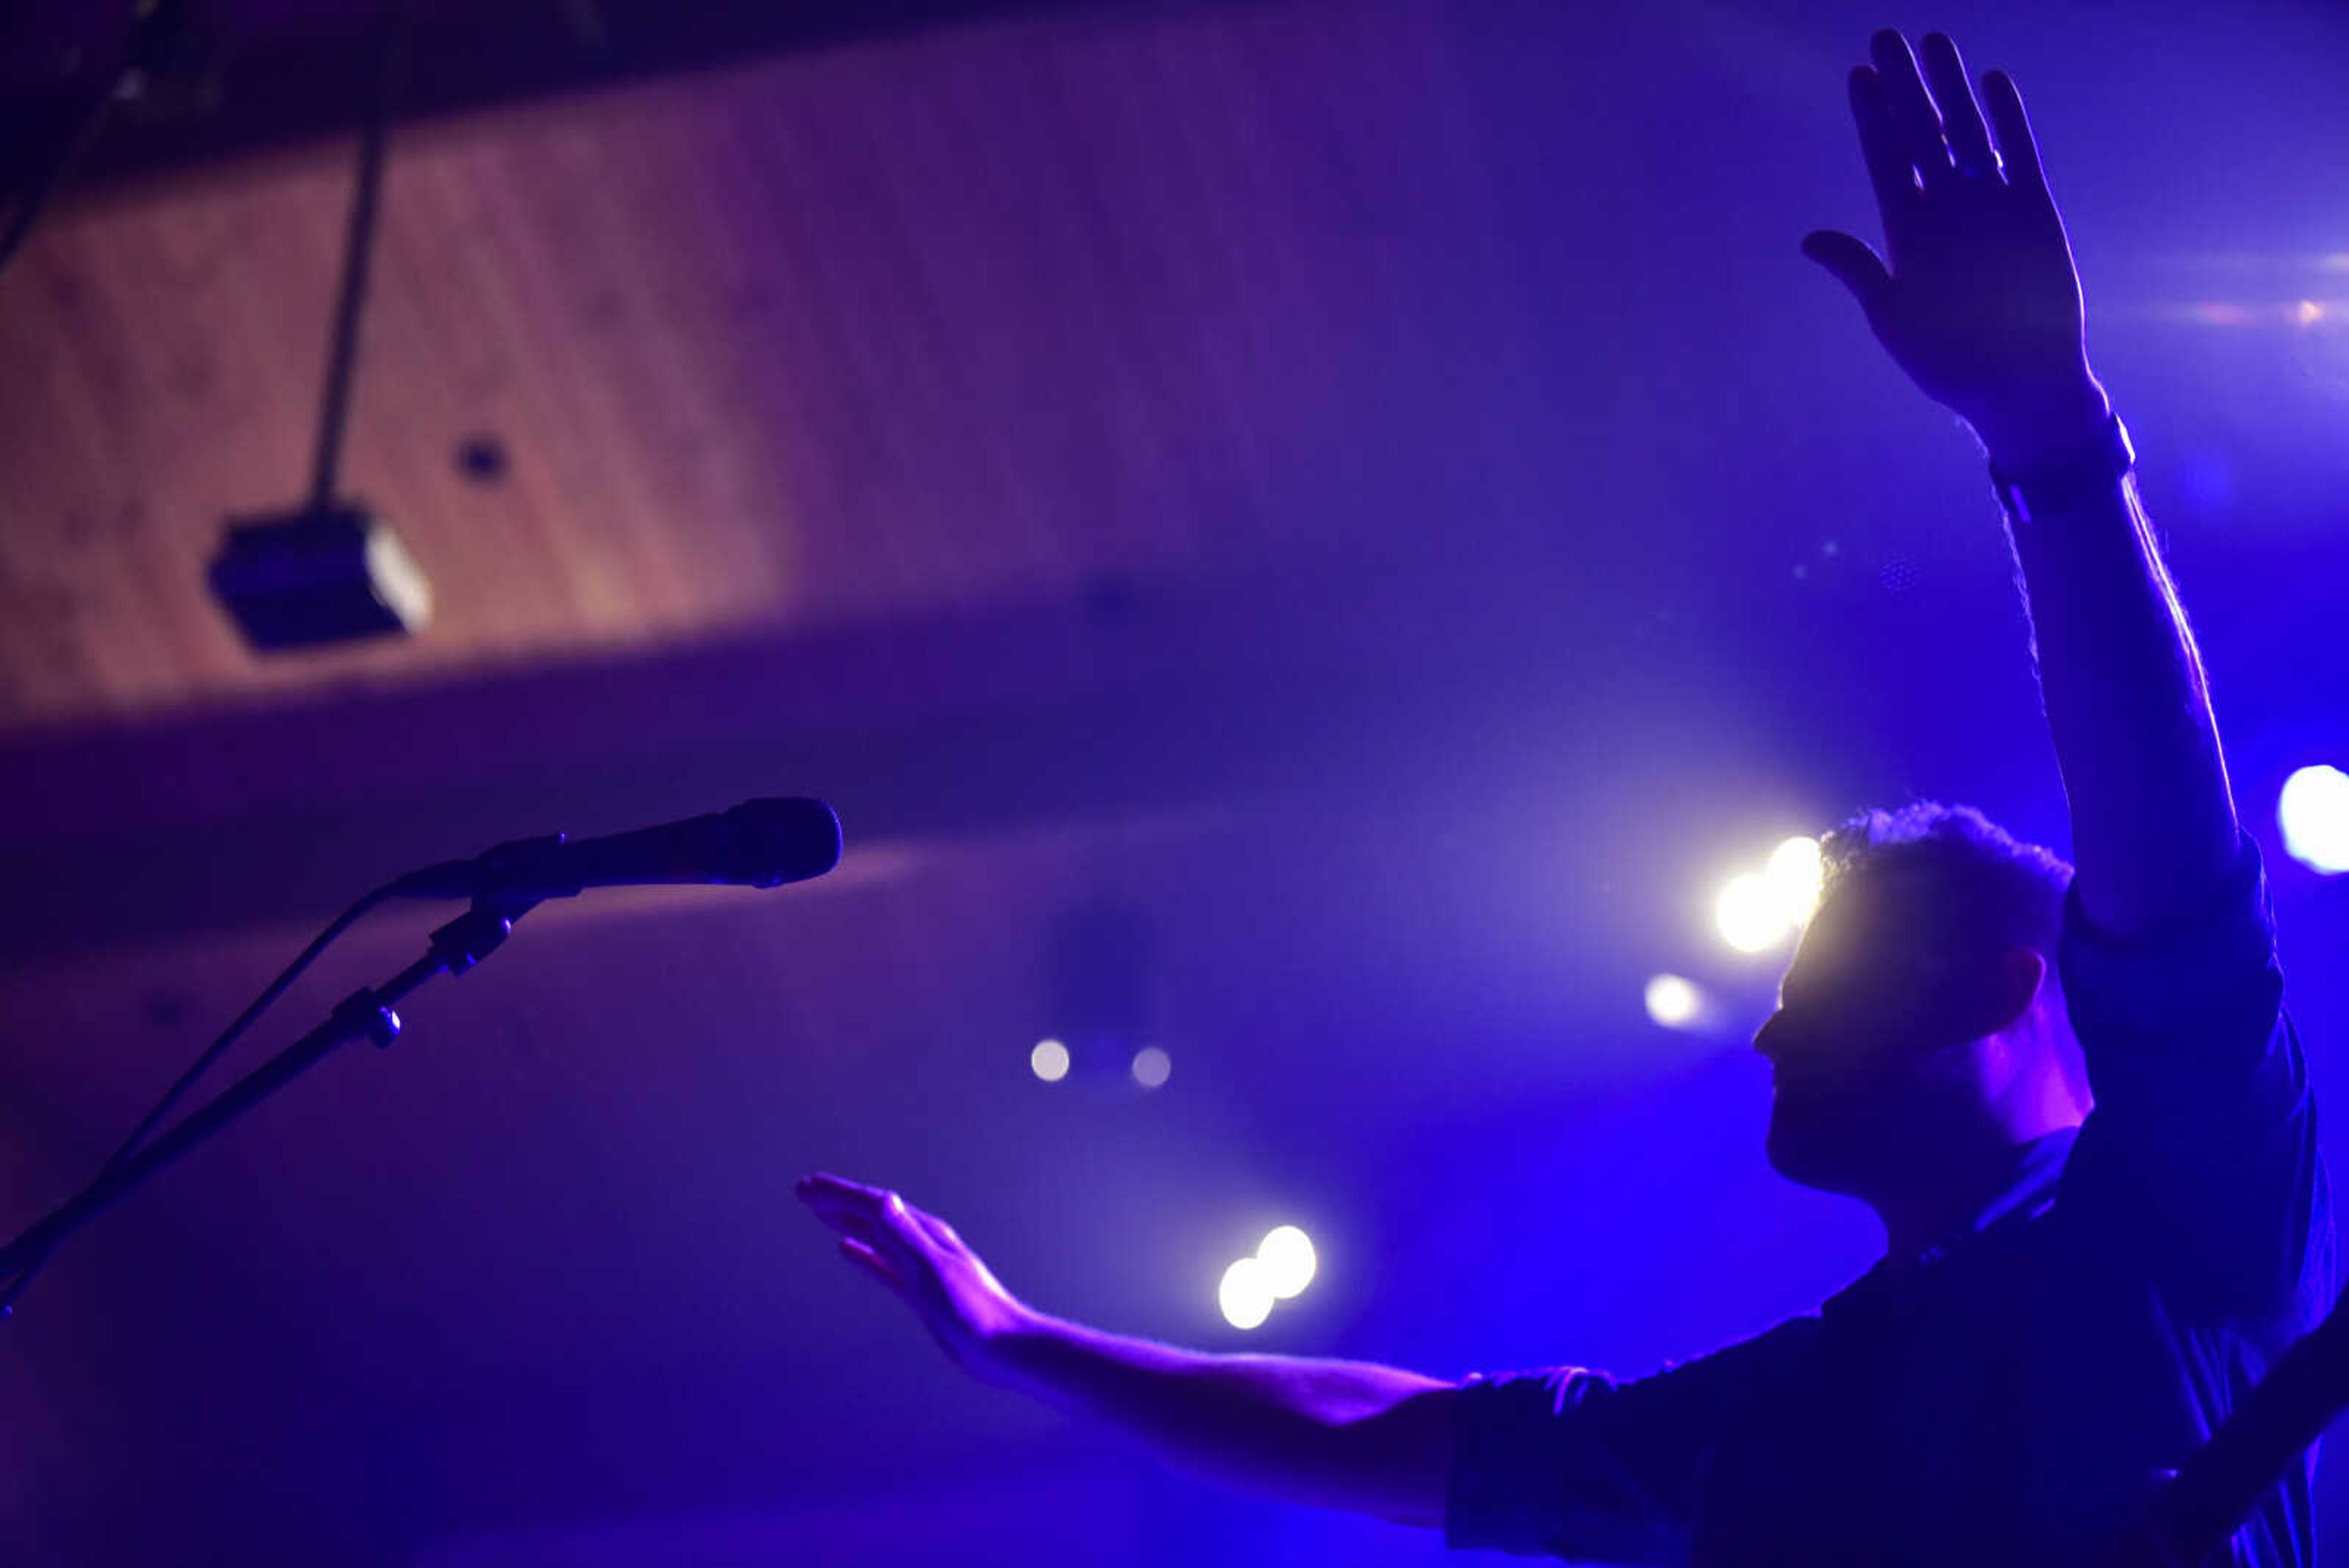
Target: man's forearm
[
  {"x": 2153, "y": 823},
  {"x": 1343, "y": 1435}
]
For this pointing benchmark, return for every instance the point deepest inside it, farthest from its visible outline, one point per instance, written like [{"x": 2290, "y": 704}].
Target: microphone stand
[{"x": 366, "y": 1013}]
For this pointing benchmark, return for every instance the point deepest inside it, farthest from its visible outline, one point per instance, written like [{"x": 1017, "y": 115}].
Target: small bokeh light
[
  {"x": 2314, "y": 813},
  {"x": 1674, "y": 1003},
  {"x": 1050, "y": 1060},
  {"x": 1750, "y": 915},
  {"x": 1245, "y": 1295},
  {"x": 1288, "y": 1259},
  {"x": 1152, "y": 1067}
]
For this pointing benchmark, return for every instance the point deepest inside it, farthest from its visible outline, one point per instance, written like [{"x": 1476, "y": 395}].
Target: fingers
[
  {"x": 878, "y": 1231},
  {"x": 903, "y": 1260},
  {"x": 1856, "y": 267},
  {"x": 1911, "y": 107},
  {"x": 830, "y": 1195},
  {"x": 824, "y": 1185},
  {"x": 871, "y": 1262},
  {"x": 1909, "y": 138},
  {"x": 875, "y": 1216},
  {"x": 869, "y": 1213},
  {"x": 1889, "y": 171},
  {"x": 2014, "y": 139},
  {"x": 1961, "y": 117}
]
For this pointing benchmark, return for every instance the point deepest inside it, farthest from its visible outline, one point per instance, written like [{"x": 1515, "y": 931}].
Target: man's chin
[{"x": 1809, "y": 1156}]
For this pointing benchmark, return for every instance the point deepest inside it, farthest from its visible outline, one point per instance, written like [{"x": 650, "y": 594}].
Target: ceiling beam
[
  {"x": 1187, "y": 693},
  {"x": 232, "y": 86}
]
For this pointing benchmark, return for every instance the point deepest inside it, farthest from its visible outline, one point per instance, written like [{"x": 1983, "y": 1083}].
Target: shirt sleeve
[
  {"x": 2201, "y": 1149},
  {"x": 1571, "y": 1463}
]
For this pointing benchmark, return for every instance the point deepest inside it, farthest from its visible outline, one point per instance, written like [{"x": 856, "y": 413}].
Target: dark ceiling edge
[
  {"x": 464, "y": 60},
  {"x": 916, "y": 732}
]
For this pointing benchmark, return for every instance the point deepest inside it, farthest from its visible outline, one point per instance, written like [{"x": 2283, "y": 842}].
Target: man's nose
[{"x": 1771, "y": 1038}]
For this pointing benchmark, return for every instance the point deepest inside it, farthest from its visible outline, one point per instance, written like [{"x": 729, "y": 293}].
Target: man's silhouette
[{"x": 2074, "y": 1100}]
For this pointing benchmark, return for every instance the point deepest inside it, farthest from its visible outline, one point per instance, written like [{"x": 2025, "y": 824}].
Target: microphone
[{"x": 758, "y": 844}]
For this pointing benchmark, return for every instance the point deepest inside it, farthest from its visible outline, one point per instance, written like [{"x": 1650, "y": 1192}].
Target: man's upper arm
[
  {"x": 2203, "y": 1147},
  {"x": 1570, "y": 1463}
]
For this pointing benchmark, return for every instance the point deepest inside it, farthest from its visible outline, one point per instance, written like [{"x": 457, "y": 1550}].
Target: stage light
[
  {"x": 1152, "y": 1066},
  {"x": 2313, "y": 812},
  {"x": 1246, "y": 1294},
  {"x": 1288, "y": 1262},
  {"x": 1750, "y": 915},
  {"x": 1674, "y": 1003},
  {"x": 1795, "y": 872},
  {"x": 1050, "y": 1060}
]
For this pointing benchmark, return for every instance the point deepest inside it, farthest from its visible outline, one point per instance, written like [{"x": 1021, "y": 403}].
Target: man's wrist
[
  {"x": 2096, "y": 469},
  {"x": 1026, "y": 1352},
  {"x": 2045, "y": 428}
]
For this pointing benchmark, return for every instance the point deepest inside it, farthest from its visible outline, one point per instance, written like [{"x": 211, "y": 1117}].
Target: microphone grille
[{"x": 783, "y": 840}]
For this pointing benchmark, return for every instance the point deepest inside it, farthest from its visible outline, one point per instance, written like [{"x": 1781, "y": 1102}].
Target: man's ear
[{"x": 2021, "y": 972}]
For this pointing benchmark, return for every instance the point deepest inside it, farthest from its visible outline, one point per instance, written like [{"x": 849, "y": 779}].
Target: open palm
[
  {"x": 920, "y": 1258},
  {"x": 1975, "y": 295}
]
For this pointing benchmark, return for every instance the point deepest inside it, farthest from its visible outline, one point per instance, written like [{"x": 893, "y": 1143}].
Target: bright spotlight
[
  {"x": 1286, "y": 1256},
  {"x": 1050, "y": 1060},
  {"x": 1796, "y": 871},
  {"x": 1674, "y": 1003},
  {"x": 2313, "y": 812},
  {"x": 1152, "y": 1066},
  {"x": 1245, "y": 1295},
  {"x": 1750, "y": 914}
]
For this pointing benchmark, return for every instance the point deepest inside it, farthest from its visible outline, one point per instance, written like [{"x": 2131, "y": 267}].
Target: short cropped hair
[{"x": 1991, "y": 888}]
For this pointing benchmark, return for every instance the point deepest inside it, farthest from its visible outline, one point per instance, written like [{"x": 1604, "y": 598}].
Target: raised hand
[
  {"x": 919, "y": 1257},
  {"x": 1975, "y": 295}
]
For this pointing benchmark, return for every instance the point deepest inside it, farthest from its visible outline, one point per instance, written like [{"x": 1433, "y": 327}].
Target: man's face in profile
[{"x": 1867, "y": 1047}]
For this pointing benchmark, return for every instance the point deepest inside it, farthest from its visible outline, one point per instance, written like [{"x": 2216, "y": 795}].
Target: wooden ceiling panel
[{"x": 895, "y": 331}]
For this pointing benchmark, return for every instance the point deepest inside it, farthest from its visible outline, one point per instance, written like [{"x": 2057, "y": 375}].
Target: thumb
[
  {"x": 862, "y": 1253},
  {"x": 1856, "y": 267}
]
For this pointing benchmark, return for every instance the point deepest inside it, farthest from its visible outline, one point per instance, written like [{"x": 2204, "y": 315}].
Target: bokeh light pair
[
  {"x": 1051, "y": 1060},
  {"x": 1284, "y": 1265},
  {"x": 1759, "y": 911}
]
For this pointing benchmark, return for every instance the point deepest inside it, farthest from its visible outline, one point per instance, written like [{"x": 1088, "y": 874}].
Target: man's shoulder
[{"x": 2200, "y": 990}]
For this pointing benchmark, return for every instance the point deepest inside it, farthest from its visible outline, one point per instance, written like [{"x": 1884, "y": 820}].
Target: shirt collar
[
  {"x": 2030, "y": 1192},
  {"x": 2026, "y": 1195}
]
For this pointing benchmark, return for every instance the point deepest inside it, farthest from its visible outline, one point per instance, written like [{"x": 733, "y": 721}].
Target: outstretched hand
[
  {"x": 1975, "y": 295},
  {"x": 919, "y": 1257}
]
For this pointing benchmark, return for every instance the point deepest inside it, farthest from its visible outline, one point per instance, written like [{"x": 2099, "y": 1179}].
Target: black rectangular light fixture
[{"x": 317, "y": 577}]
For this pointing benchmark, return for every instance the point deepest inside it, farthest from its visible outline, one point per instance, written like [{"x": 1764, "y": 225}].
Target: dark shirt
[{"x": 2013, "y": 1397}]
